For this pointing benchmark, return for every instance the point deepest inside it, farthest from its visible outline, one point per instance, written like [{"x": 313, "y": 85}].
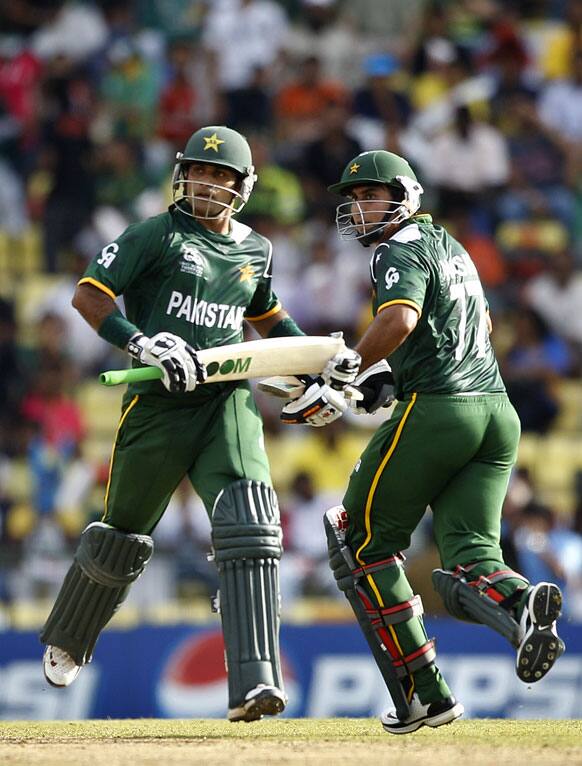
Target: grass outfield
[{"x": 301, "y": 741}]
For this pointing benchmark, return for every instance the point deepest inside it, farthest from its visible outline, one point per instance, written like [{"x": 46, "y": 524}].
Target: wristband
[
  {"x": 285, "y": 328},
  {"x": 116, "y": 329}
]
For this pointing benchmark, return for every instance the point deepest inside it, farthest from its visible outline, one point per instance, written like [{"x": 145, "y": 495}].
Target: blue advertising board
[{"x": 178, "y": 672}]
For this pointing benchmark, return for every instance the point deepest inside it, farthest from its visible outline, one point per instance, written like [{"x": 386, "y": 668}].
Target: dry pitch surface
[{"x": 278, "y": 742}]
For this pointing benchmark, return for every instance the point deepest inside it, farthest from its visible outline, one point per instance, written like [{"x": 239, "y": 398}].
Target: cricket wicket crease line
[{"x": 125, "y": 414}]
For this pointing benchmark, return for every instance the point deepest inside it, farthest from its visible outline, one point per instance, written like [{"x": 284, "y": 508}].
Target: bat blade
[{"x": 298, "y": 355}]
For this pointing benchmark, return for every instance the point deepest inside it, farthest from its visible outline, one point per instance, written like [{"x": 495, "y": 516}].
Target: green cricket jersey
[
  {"x": 449, "y": 351},
  {"x": 179, "y": 277}
]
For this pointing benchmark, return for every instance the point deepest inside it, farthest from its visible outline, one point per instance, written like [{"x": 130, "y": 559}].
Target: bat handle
[{"x": 136, "y": 375}]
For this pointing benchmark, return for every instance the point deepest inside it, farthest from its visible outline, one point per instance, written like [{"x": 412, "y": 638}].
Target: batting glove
[
  {"x": 341, "y": 370},
  {"x": 377, "y": 385},
  {"x": 180, "y": 366},
  {"x": 317, "y": 407}
]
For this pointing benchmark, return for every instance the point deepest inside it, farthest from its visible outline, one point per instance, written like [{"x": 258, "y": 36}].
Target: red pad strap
[
  {"x": 485, "y": 583},
  {"x": 420, "y": 658},
  {"x": 377, "y": 566},
  {"x": 402, "y": 612}
]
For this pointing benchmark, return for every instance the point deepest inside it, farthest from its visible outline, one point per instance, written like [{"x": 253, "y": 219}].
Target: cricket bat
[{"x": 297, "y": 355}]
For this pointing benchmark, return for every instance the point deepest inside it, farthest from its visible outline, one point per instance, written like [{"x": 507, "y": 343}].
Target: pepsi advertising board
[{"x": 178, "y": 672}]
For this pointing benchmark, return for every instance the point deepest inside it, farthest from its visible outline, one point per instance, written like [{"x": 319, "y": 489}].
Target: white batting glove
[
  {"x": 376, "y": 383},
  {"x": 342, "y": 369},
  {"x": 317, "y": 407},
  {"x": 180, "y": 366}
]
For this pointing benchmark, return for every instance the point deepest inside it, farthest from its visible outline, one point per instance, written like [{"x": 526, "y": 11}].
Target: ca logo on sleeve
[{"x": 392, "y": 277}]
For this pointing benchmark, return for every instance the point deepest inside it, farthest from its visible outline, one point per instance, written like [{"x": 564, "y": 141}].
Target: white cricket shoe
[
  {"x": 540, "y": 645},
  {"x": 59, "y": 667},
  {"x": 260, "y": 701},
  {"x": 434, "y": 714}
]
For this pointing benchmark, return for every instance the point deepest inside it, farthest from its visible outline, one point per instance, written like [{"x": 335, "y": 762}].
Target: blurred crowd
[{"x": 96, "y": 97}]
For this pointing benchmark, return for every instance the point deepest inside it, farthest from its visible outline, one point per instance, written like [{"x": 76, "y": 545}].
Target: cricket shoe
[
  {"x": 540, "y": 645},
  {"x": 260, "y": 701},
  {"x": 434, "y": 714},
  {"x": 59, "y": 667}
]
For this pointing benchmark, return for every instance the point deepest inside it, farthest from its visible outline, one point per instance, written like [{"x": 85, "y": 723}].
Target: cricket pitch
[{"x": 295, "y": 741}]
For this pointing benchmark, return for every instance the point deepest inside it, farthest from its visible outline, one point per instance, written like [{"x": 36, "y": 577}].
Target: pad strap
[
  {"x": 485, "y": 583},
  {"x": 416, "y": 660},
  {"x": 404, "y": 665},
  {"x": 392, "y": 615},
  {"x": 365, "y": 569}
]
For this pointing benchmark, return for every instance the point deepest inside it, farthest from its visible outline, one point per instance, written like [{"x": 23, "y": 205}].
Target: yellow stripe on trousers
[
  {"x": 121, "y": 422},
  {"x": 368, "y": 513}
]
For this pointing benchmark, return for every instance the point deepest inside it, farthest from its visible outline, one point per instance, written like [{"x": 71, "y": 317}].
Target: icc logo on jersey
[
  {"x": 392, "y": 277},
  {"x": 193, "y": 261}
]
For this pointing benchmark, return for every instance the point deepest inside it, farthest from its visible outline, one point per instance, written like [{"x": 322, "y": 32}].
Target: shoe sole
[
  {"x": 447, "y": 716},
  {"x": 265, "y": 703},
  {"x": 49, "y": 680},
  {"x": 541, "y": 646},
  {"x": 58, "y": 686}
]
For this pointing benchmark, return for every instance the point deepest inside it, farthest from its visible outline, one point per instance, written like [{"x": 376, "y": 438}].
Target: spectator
[
  {"x": 534, "y": 361},
  {"x": 560, "y": 103},
  {"x": 538, "y": 162},
  {"x": 324, "y": 26},
  {"x": 538, "y": 553},
  {"x": 130, "y": 92},
  {"x": 320, "y": 159},
  {"x": 243, "y": 37},
  {"x": 381, "y": 106},
  {"x": 67, "y": 156},
  {"x": 301, "y": 105},
  {"x": 179, "y": 99},
  {"x": 469, "y": 163},
  {"x": 556, "y": 295},
  {"x": 10, "y": 368}
]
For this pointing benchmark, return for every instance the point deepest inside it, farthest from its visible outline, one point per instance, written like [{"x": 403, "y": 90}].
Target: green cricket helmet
[
  {"x": 376, "y": 167},
  {"x": 214, "y": 145}
]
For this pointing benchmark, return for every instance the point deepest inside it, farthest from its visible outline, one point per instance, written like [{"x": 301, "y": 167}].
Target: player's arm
[
  {"x": 93, "y": 304},
  {"x": 388, "y": 331},
  {"x": 180, "y": 366},
  {"x": 267, "y": 327}
]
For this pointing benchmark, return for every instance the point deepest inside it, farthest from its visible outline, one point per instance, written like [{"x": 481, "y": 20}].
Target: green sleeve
[
  {"x": 264, "y": 302},
  {"x": 127, "y": 258},
  {"x": 400, "y": 276}
]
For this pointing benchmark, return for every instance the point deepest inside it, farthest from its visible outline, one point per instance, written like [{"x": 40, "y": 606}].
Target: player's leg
[
  {"x": 151, "y": 453},
  {"x": 387, "y": 496},
  {"x": 232, "y": 477},
  {"x": 475, "y": 582}
]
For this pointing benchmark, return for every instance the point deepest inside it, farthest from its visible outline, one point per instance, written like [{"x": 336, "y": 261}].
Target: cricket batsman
[
  {"x": 190, "y": 277},
  {"x": 450, "y": 444}
]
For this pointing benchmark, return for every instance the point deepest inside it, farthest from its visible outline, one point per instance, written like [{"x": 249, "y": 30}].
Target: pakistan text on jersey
[{"x": 204, "y": 313}]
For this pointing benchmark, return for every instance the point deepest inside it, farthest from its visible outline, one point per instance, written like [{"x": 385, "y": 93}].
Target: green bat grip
[{"x": 117, "y": 377}]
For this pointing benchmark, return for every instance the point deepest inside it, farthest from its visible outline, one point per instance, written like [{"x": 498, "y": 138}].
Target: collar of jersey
[
  {"x": 419, "y": 218},
  {"x": 193, "y": 225}
]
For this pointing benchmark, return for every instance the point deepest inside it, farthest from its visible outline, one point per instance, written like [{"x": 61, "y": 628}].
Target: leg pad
[
  {"x": 470, "y": 602},
  {"x": 343, "y": 565},
  {"x": 107, "y": 561},
  {"x": 247, "y": 546}
]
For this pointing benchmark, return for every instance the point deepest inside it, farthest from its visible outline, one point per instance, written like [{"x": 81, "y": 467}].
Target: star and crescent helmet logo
[
  {"x": 212, "y": 142},
  {"x": 354, "y": 168}
]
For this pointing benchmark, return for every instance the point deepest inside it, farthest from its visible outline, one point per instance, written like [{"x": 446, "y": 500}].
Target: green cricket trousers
[
  {"x": 453, "y": 453},
  {"x": 158, "y": 442}
]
